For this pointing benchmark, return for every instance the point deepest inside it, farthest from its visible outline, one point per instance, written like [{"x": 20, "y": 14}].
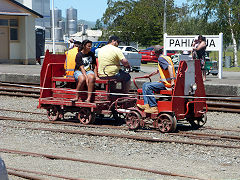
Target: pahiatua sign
[
  {"x": 182, "y": 43},
  {"x": 185, "y": 42}
]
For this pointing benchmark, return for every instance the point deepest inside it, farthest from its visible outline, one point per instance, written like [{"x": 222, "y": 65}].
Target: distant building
[
  {"x": 71, "y": 21},
  {"x": 91, "y": 35},
  {"x": 17, "y": 33}
]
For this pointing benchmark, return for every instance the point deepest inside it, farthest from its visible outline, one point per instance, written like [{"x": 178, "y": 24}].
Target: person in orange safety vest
[
  {"x": 167, "y": 79},
  {"x": 70, "y": 63}
]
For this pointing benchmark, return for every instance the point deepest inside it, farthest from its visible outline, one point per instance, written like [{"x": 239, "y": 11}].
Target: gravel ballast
[{"x": 191, "y": 160}]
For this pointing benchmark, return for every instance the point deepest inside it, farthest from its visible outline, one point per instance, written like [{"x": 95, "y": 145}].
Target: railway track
[
  {"x": 91, "y": 125},
  {"x": 54, "y": 157},
  {"x": 223, "y": 103},
  {"x": 213, "y": 140},
  {"x": 166, "y": 139},
  {"x": 210, "y": 140},
  {"x": 20, "y": 90},
  {"x": 215, "y": 102},
  {"x": 29, "y": 174},
  {"x": 98, "y": 126}
]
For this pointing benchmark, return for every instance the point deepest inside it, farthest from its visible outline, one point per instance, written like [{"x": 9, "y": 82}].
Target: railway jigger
[{"x": 186, "y": 102}]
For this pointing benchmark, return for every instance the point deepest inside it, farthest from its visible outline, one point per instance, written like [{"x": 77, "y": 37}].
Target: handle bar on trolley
[{"x": 142, "y": 77}]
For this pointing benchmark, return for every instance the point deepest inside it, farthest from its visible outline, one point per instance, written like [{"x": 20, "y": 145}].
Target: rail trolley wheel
[
  {"x": 85, "y": 116},
  {"x": 166, "y": 123},
  {"x": 53, "y": 113},
  {"x": 198, "y": 122},
  {"x": 133, "y": 119}
]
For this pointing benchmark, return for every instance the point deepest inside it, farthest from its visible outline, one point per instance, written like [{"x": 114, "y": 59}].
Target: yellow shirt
[{"x": 109, "y": 55}]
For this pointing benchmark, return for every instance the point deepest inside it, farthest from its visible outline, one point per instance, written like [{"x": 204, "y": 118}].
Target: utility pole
[
  {"x": 53, "y": 27},
  {"x": 165, "y": 18}
]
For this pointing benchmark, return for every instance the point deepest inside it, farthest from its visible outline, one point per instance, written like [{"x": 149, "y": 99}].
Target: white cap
[{"x": 196, "y": 38}]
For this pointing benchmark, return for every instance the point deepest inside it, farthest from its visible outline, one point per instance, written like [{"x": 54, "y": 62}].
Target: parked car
[
  {"x": 98, "y": 44},
  {"x": 128, "y": 49},
  {"x": 134, "y": 59},
  {"x": 148, "y": 55},
  {"x": 211, "y": 67}
]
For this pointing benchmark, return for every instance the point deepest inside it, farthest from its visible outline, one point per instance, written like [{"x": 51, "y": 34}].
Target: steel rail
[
  {"x": 41, "y": 173},
  {"x": 29, "y": 88},
  {"x": 137, "y": 138},
  {"x": 55, "y": 157},
  {"x": 224, "y": 109},
  {"x": 19, "y": 94},
  {"x": 213, "y": 101},
  {"x": 23, "y": 175},
  {"x": 20, "y": 89},
  {"x": 12, "y": 110},
  {"x": 61, "y": 122},
  {"x": 180, "y": 133},
  {"x": 220, "y": 129},
  {"x": 207, "y": 134}
]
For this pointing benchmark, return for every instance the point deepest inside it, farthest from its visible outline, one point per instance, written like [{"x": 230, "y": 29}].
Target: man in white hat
[
  {"x": 167, "y": 79},
  {"x": 71, "y": 41}
]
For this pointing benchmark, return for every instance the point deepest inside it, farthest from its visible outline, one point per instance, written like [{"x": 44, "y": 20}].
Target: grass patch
[
  {"x": 214, "y": 56},
  {"x": 150, "y": 64},
  {"x": 232, "y": 69}
]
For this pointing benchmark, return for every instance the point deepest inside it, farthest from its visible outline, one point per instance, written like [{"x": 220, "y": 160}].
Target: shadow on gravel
[
  {"x": 119, "y": 121},
  {"x": 99, "y": 120},
  {"x": 185, "y": 127}
]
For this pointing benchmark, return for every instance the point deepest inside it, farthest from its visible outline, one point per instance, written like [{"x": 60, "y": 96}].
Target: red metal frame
[
  {"x": 176, "y": 103},
  {"x": 179, "y": 105},
  {"x": 53, "y": 72}
]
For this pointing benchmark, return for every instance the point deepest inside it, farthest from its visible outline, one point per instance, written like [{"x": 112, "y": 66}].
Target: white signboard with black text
[{"x": 181, "y": 43}]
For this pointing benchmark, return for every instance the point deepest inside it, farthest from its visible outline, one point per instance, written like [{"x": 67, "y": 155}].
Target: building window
[
  {"x": 3, "y": 22},
  {"x": 13, "y": 34},
  {"x": 13, "y": 26},
  {"x": 14, "y": 22},
  {"x": 13, "y": 29}
]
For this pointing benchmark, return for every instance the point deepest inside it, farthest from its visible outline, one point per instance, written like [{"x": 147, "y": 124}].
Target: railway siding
[
  {"x": 228, "y": 85},
  {"x": 191, "y": 160}
]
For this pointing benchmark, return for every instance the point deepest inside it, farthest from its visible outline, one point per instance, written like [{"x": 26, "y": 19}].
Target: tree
[
  {"x": 115, "y": 19},
  {"x": 225, "y": 14},
  {"x": 140, "y": 21},
  {"x": 98, "y": 25}
]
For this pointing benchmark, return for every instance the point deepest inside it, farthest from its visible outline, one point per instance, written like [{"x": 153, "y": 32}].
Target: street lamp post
[
  {"x": 164, "y": 17},
  {"x": 53, "y": 29}
]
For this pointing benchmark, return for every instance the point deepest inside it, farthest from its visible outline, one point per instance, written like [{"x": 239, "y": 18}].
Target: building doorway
[{"x": 4, "y": 45}]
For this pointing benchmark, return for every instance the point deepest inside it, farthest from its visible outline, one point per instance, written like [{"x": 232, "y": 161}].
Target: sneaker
[
  {"x": 152, "y": 110},
  {"x": 143, "y": 107}
]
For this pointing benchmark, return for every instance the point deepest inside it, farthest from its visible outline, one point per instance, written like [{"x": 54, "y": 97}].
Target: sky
[{"x": 89, "y": 10}]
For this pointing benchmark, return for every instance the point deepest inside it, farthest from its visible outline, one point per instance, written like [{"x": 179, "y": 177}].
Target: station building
[{"x": 17, "y": 33}]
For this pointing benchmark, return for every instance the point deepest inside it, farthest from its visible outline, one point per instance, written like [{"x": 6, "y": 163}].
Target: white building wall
[
  {"x": 30, "y": 38},
  {"x": 23, "y": 51},
  {"x": 17, "y": 49}
]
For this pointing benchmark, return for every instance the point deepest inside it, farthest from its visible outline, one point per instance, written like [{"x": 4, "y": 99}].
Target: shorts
[
  {"x": 202, "y": 61},
  {"x": 120, "y": 76},
  {"x": 79, "y": 73}
]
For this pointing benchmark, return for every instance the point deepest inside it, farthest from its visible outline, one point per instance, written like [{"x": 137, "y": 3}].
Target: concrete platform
[{"x": 229, "y": 85}]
